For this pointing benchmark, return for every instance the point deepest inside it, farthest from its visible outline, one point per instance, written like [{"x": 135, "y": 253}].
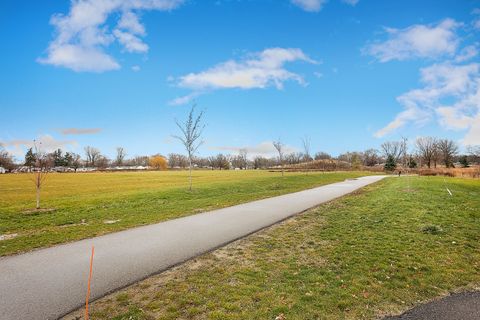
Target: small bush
[{"x": 432, "y": 229}]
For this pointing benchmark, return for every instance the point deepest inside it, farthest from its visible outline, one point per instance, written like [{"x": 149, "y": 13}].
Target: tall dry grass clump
[{"x": 471, "y": 172}]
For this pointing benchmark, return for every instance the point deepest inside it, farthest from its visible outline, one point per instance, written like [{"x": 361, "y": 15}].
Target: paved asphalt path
[
  {"x": 49, "y": 283},
  {"x": 460, "y": 306}
]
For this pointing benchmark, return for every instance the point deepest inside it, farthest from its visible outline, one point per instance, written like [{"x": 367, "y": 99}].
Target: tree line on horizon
[{"x": 428, "y": 152}]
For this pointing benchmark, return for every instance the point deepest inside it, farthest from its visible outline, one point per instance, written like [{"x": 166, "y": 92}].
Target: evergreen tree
[
  {"x": 390, "y": 164},
  {"x": 464, "y": 162},
  {"x": 30, "y": 158},
  {"x": 68, "y": 159},
  {"x": 58, "y": 160}
]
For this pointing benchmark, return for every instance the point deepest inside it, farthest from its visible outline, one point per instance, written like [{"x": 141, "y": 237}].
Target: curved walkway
[
  {"x": 460, "y": 306},
  {"x": 48, "y": 283}
]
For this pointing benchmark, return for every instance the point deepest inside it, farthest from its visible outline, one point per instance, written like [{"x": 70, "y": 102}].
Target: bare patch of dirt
[
  {"x": 111, "y": 221},
  {"x": 8, "y": 236}
]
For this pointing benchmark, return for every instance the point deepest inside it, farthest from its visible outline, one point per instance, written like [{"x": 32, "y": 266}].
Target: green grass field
[
  {"x": 379, "y": 251},
  {"x": 83, "y": 202}
]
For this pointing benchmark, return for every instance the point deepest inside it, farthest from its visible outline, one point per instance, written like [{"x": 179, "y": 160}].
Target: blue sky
[{"x": 349, "y": 74}]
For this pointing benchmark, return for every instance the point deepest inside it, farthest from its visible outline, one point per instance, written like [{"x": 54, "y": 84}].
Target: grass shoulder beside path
[
  {"x": 91, "y": 204},
  {"x": 379, "y": 251}
]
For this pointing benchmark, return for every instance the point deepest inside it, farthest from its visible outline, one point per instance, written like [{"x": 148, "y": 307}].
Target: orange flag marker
[{"x": 89, "y": 281}]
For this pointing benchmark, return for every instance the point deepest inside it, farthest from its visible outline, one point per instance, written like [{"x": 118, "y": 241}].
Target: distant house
[{"x": 2, "y": 170}]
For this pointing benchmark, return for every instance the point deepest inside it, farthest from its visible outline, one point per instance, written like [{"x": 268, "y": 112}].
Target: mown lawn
[
  {"x": 89, "y": 204},
  {"x": 379, "y": 251}
]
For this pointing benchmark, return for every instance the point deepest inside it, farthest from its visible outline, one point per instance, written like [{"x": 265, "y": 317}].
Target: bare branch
[{"x": 192, "y": 131}]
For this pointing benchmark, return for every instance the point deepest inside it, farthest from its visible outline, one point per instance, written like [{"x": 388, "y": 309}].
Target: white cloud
[
  {"x": 46, "y": 143},
  {"x": 83, "y": 34},
  {"x": 131, "y": 42},
  {"x": 409, "y": 114},
  {"x": 129, "y": 21},
  {"x": 309, "y": 5},
  {"x": 184, "y": 99},
  {"x": 351, "y": 2},
  {"x": 264, "y": 149},
  {"x": 80, "y": 58},
  {"x": 424, "y": 41},
  {"x": 76, "y": 131},
  {"x": 451, "y": 93},
  {"x": 467, "y": 53},
  {"x": 136, "y": 68},
  {"x": 473, "y": 135},
  {"x": 258, "y": 70}
]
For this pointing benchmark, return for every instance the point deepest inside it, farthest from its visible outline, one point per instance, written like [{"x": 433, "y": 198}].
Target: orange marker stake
[{"x": 89, "y": 280}]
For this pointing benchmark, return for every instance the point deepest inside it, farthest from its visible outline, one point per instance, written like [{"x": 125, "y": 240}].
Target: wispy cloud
[
  {"x": 257, "y": 70},
  {"x": 184, "y": 99},
  {"x": 83, "y": 34},
  {"x": 417, "y": 41},
  {"x": 78, "y": 131},
  {"x": 451, "y": 93},
  {"x": 476, "y": 21},
  {"x": 317, "y": 5},
  {"x": 467, "y": 53},
  {"x": 309, "y": 5}
]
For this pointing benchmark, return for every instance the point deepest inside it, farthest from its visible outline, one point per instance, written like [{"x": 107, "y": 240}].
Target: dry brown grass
[
  {"x": 471, "y": 172},
  {"x": 320, "y": 165}
]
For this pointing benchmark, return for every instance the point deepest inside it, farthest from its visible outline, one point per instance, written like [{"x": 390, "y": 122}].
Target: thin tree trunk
[
  {"x": 38, "y": 191},
  {"x": 190, "y": 171}
]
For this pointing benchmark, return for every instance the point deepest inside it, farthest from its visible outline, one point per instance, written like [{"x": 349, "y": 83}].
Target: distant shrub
[
  {"x": 158, "y": 162},
  {"x": 390, "y": 164}
]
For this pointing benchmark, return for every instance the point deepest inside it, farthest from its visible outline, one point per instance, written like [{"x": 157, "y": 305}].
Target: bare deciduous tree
[
  {"x": 448, "y": 150},
  {"x": 121, "y": 154},
  {"x": 306, "y": 148},
  {"x": 76, "y": 161},
  {"x": 370, "y": 157},
  {"x": 191, "y": 133},
  {"x": 177, "y": 160},
  {"x": 322, "y": 156},
  {"x": 91, "y": 154},
  {"x": 279, "y": 146},
  {"x": 474, "y": 152},
  {"x": 427, "y": 149},
  {"x": 6, "y": 160},
  {"x": 40, "y": 170},
  {"x": 404, "y": 149},
  {"x": 102, "y": 162},
  {"x": 243, "y": 157},
  {"x": 394, "y": 149}
]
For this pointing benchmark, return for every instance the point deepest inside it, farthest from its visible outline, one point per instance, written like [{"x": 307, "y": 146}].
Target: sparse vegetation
[{"x": 377, "y": 252}]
